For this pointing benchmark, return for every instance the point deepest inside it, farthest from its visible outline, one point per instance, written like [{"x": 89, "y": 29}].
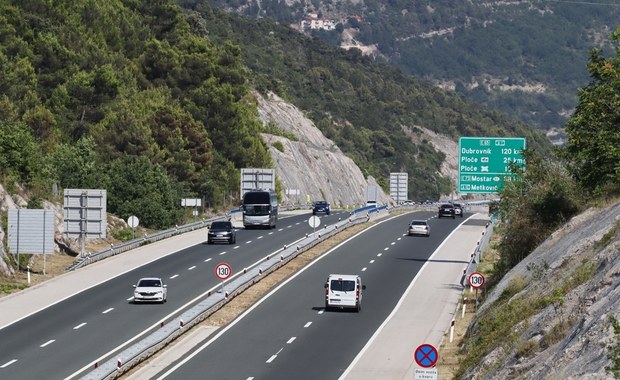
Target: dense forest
[
  {"x": 154, "y": 104},
  {"x": 122, "y": 95},
  {"x": 526, "y": 58}
]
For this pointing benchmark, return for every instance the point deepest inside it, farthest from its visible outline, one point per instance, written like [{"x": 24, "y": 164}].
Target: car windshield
[
  {"x": 321, "y": 204},
  {"x": 418, "y": 223},
  {"x": 220, "y": 225},
  {"x": 149, "y": 283},
  {"x": 343, "y": 285}
]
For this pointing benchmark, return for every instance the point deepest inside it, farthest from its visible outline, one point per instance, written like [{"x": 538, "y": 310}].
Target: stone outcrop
[{"x": 313, "y": 167}]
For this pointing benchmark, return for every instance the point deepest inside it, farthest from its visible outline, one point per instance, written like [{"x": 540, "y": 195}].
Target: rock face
[
  {"x": 573, "y": 336},
  {"x": 312, "y": 168}
]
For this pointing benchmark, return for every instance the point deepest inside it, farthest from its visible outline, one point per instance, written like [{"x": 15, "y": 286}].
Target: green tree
[
  {"x": 593, "y": 131},
  {"x": 138, "y": 187},
  {"x": 540, "y": 198},
  {"x": 76, "y": 166},
  {"x": 20, "y": 154}
]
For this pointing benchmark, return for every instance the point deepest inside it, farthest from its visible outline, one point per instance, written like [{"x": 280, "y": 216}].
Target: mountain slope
[
  {"x": 363, "y": 106},
  {"x": 524, "y": 58}
]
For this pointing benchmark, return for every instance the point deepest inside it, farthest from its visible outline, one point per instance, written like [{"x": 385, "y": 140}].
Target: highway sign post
[
  {"x": 484, "y": 162},
  {"x": 476, "y": 280},
  {"x": 314, "y": 221},
  {"x": 223, "y": 271}
]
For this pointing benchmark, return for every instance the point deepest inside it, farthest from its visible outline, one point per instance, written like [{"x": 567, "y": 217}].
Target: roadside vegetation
[{"x": 553, "y": 189}]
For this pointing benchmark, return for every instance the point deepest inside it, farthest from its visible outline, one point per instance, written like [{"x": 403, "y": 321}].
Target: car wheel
[
  {"x": 358, "y": 308},
  {"x": 209, "y": 241},
  {"x": 233, "y": 240},
  {"x": 453, "y": 217}
]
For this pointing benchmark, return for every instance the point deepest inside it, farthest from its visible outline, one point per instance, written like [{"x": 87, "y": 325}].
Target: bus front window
[{"x": 256, "y": 209}]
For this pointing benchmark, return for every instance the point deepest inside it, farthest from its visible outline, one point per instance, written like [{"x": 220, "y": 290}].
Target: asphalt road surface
[
  {"x": 90, "y": 322},
  {"x": 289, "y": 335}
]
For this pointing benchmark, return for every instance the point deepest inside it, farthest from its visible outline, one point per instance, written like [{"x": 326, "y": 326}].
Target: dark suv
[
  {"x": 320, "y": 206},
  {"x": 222, "y": 231},
  {"x": 446, "y": 210}
]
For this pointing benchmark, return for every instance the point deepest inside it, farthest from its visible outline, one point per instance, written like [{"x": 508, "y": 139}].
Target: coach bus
[{"x": 260, "y": 209}]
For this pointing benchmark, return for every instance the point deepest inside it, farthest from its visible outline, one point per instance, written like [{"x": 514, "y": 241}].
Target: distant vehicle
[
  {"x": 371, "y": 203},
  {"x": 222, "y": 231},
  {"x": 446, "y": 210},
  {"x": 321, "y": 207},
  {"x": 419, "y": 227},
  {"x": 344, "y": 291},
  {"x": 260, "y": 209},
  {"x": 150, "y": 289},
  {"x": 458, "y": 209}
]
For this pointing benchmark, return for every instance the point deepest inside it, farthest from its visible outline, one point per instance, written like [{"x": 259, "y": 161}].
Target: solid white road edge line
[{"x": 400, "y": 301}]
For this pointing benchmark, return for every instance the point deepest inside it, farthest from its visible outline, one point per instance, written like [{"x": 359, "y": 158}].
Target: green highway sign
[{"x": 484, "y": 162}]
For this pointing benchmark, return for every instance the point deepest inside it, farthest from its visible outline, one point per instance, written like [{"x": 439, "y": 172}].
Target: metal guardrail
[
  {"x": 213, "y": 301},
  {"x": 138, "y": 242},
  {"x": 476, "y": 256}
]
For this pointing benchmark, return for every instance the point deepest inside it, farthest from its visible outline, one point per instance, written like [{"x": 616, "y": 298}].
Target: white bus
[{"x": 260, "y": 209}]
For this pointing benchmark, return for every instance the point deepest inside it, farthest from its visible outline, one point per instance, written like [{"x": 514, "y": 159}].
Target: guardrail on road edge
[{"x": 151, "y": 344}]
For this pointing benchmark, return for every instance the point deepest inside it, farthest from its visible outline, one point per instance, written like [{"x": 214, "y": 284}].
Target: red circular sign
[
  {"x": 476, "y": 280},
  {"x": 426, "y": 355},
  {"x": 223, "y": 271}
]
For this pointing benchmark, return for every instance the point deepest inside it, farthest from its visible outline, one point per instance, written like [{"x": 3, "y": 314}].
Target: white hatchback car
[
  {"x": 150, "y": 289},
  {"x": 419, "y": 227}
]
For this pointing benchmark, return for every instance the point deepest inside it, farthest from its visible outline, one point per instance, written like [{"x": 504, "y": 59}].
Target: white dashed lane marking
[
  {"x": 8, "y": 363},
  {"x": 80, "y": 325},
  {"x": 47, "y": 343},
  {"x": 107, "y": 311}
]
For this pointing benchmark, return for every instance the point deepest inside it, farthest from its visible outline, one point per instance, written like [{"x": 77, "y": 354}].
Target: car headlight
[{"x": 136, "y": 294}]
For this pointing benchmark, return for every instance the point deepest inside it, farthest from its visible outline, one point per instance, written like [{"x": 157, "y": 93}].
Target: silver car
[
  {"x": 419, "y": 227},
  {"x": 150, "y": 289}
]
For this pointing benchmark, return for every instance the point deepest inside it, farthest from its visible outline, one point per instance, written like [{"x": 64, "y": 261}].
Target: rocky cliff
[
  {"x": 312, "y": 167},
  {"x": 566, "y": 297}
]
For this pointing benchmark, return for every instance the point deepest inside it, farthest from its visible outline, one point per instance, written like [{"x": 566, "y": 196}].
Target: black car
[
  {"x": 320, "y": 207},
  {"x": 222, "y": 231},
  {"x": 446, "y": 210}
]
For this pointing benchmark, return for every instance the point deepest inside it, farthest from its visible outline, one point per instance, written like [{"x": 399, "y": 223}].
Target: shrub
[{"x": 278, "y": 145}]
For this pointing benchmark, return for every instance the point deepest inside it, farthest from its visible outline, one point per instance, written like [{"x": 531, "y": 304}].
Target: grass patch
[
  {"x": 527, "y": 349},
  {"x": 556, "y": 334},
  {"x": 608, "y": 237}
]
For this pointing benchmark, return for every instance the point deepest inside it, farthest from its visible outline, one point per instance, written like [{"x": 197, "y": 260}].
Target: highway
[
  {"x": 288, "y": 334},
  {"x": 65, "y": 339}
]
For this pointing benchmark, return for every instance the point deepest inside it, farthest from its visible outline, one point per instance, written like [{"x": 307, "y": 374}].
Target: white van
[{"x": 344, "y": 291}]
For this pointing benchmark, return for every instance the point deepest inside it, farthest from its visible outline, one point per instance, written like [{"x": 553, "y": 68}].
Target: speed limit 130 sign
[
  {"x": 223, "y": 271},
  {"x": 476, "y": 280}
]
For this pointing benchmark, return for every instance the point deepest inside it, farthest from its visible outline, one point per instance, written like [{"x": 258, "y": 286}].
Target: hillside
[
  {"x": 156, "y": 105},
  {"x": 524, "y": 58},
  {"x": 555, "y": 314},
  {"x": 369, "y": 110}
]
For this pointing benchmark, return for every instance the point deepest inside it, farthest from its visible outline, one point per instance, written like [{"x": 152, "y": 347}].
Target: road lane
[
  {"x": 256, "y": 345},
  {"x": 187, "y": 272}
]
